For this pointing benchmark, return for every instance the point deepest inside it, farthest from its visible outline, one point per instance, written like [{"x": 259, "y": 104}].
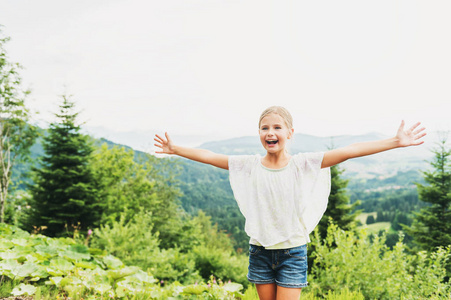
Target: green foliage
[
  {"x": 64, "y": 196},
  {"x": 129, "y": 184},
  {"x": 339, "y": 209},
  {"x": 213, "y": 290},
  {"x": 213, "y": 261},
  {"x": 135, "y": 244},
  {"x": 209, "y": 252},
  {"x": 214, "y": 255},
  {"x": 345, "y": 259},
  {"x": 207, "y": 188},
  {"x": 52, "y": 268},
  {"x": 17, "y": 135},
  {"x": 431, "y": 227},
  {"x": 370, "y": 220},
  {"x": 342, "y": 294}
]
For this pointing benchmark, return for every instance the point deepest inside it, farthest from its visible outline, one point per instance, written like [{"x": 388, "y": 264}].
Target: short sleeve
[
  {"x": 239, "y": 163},
  {"x": 315, "y": 188}
]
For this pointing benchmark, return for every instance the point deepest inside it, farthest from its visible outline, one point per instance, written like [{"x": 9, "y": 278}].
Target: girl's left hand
[{"x": 411, "y": 136}]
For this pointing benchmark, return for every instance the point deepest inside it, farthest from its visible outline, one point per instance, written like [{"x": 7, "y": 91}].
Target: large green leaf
[
  {"x": 6, "y": 266},
  {"x": 25, "y": 270},
  {"x": 56, "y": 280},
  {"x": 46, "y": 251},
  {"x": 39, "y": 273},
  {"x": 70, "y": 280},
  {"x": 20, "y": 242},
  {"x": 79, "y": 248},
  {"x": 124, "y": 272},
  {"x": 24, "y": 289},
  {"x": 74, "y": 256},
  {"x": 144, "y": 277},
  {"x": 232, "y": 287},
  {"x": 112, "y": 262},
  {"x": 62, "y": 265},
  {"x": 10, "y": 254},
  {"x": 5, "y": 245},
  {"x": 102, "y": 288},
  {"x": 195, "y": 289},
  {"x": 85, "y": 265}
]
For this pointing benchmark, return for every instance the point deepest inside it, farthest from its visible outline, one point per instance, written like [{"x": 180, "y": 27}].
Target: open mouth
[{"x": 272, "y": 142}]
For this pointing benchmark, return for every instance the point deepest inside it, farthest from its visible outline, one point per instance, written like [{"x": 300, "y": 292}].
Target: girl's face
[{"x": 274, "y": 133}]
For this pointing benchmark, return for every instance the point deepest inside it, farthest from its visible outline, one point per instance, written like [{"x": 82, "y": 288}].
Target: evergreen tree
[
  {"x": 370, "y": 220},
  {"x": 64, "y": 196},
  {"x": 339, "y": 208},
  {"x": 431, "y": 227}
]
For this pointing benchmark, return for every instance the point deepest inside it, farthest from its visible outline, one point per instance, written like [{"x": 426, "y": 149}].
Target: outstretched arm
[
  {"x": 204, "y": 156},
  {"x": 403, "y": 138}
]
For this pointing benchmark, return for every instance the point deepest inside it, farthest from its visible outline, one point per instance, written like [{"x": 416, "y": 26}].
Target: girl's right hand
[{"x": 166, "y": 145}]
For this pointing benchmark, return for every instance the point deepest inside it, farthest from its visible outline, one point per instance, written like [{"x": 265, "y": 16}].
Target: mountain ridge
[{"x": 381, "y": 164}]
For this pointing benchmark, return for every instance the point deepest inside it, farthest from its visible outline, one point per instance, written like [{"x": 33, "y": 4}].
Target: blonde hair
[{"x": 281, "y": 111}]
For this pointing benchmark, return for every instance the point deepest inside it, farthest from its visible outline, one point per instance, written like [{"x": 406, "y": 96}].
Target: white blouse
[{"x": 281, "y": 206}]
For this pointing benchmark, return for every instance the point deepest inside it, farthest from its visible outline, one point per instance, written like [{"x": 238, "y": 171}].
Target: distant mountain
[
  {"x": 383, "y": 164},
  {"x": 142, "y": 140}
]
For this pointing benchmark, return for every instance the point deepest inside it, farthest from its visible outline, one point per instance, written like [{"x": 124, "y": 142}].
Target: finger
[
  {"x": 414, "y": 126},
  {"x": 418, "y": 130},
  {"x": 420, "y": 136},
  {"x": 167, "y": 136},
  {"x": 158, "y": 145},
  {"x": 159, "y": 137},
  {"x": 418, "y": 143},
  {"x": 401, "y": 127},
  {"x": 158, "y": 141}
]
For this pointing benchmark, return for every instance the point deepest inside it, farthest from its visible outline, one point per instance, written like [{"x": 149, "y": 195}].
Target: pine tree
[
  {"x": 431, "y": 227},
  {"x": 339, "y": 208},
  {"x": 64, "y": 195}
]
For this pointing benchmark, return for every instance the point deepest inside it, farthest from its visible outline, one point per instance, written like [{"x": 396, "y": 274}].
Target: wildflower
[{"x": 89, "y": 232}]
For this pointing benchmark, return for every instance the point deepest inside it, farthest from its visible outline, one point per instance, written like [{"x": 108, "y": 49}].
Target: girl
[{"x": 283, "y": 196}]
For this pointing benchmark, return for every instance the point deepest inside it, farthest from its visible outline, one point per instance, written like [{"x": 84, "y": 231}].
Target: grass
[
  {"x": 376, "y": 227},
  {"x": 363, "y": 216}
]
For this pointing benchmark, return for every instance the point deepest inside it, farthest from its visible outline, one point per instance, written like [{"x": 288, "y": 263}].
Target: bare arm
[
  {"x": 403, "y": 138},
  {"x": 201, "y": 155}
]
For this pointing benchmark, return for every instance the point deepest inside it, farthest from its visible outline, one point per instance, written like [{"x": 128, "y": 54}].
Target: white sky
[{"x": 209, "y": 67}]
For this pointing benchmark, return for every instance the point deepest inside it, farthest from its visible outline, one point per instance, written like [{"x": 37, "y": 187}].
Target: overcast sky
[{"x": 210, "y": 67}]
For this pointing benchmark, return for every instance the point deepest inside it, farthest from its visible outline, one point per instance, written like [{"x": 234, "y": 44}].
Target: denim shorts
[{"x": 284, "y": 267}]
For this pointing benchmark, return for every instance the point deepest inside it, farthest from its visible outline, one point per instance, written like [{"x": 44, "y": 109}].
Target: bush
[
  {"x": 345, "y": 259},
  {"x": 223, "y": 265},
  {"x": 135, "y": 244},
  {"x": 370, "y": 220}
]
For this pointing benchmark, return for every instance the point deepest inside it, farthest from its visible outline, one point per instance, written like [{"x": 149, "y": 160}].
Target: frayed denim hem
[
  {"x": 294, "y": 285},
  {"x": 261, "y": 281}
]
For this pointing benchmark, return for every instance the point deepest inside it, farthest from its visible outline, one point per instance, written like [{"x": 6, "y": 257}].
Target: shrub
[
  {"x": 345, "y": 259},
  {"x": 135, "y": 244}
]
